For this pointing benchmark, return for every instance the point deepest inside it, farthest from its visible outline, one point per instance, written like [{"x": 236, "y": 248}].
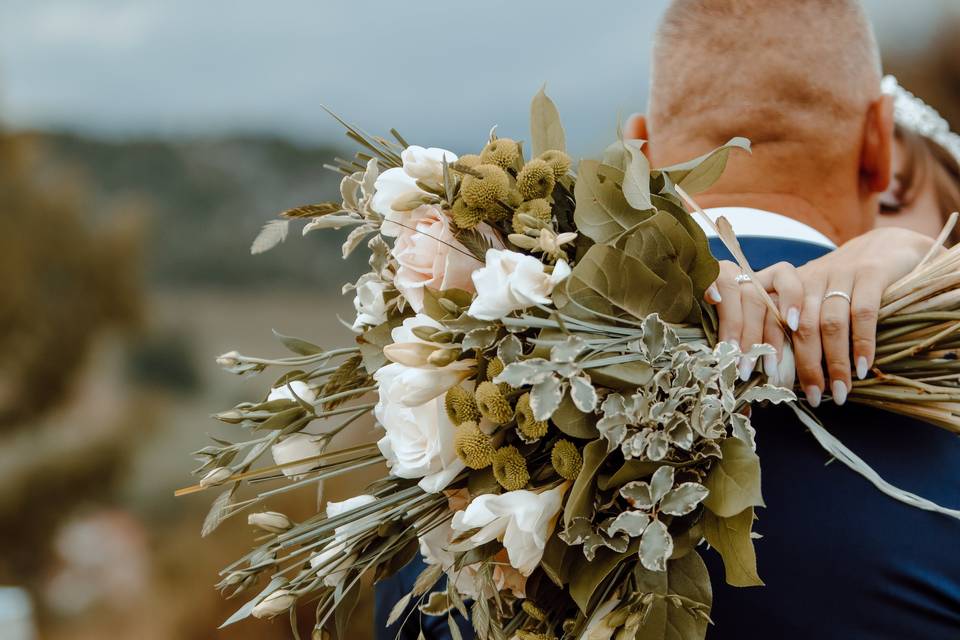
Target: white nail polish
[
  {"x": 793, "y": 318},
  {"x": 713, "y": 294},
  {"x": 862, "y": 369},
  {"x": 813, "y": 396},
  {"x": 746, "y": 368},
  {"x": 770, "y": 368},
  {"x": 839, "y": 392}
]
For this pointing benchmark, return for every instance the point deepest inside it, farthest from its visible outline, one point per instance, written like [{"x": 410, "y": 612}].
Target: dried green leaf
[
  {"x": 546, "y": 130},
  {"x": 734, "y": 480},
  {"x": 636, "y": 177},
  {"x": 602, "y": 212},
  {"x": 298, "y": 345},
  {"x": 699, "y": 174},
  {"x": 731, "y": 538}
]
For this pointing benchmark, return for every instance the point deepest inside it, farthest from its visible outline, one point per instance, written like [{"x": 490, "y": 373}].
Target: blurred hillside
[{"x": 204, "y": 200}]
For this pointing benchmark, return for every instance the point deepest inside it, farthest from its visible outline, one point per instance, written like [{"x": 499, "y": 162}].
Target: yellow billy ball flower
[
  {"x": 493, "y": 406},
  {"x": 465, "y": 216},
  {"x": 533, "y": 610},
  {"x": 536, "y": 180},
  {"x": 484, "y": 190},
  {"x": 558, "y": 161},
  {"x": 510, "y": 468},
  {"x": 460, "y": 406},
  {"x": 537, "y": 209},
  {"x": 566, "y": 459},
  {"x": 473, "y": 446},
  {"x": 470, "y": 160},
  {"x": 530, "y": 427},
  {"x": 503, "y": 152},
  {"x": 494, "y": 368}
]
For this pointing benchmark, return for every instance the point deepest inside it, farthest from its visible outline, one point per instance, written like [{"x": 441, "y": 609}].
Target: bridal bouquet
[{"x": 560, "y": 428}]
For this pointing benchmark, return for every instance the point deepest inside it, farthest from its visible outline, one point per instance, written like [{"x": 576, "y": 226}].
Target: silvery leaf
[
  {"x": 661, "y": 483},
  {"x": 613, "y": 405},
  {"x": 637, "y": 493},
  {"x": 355, "y": 238},
  {"x": 525, "y": 372},
  {"x": 568, "y": 350},
  {"x": 630, "y": 522},
  {"x": 653, "y": 336},
  {"x": 583, "y": 394},
  {"x": 577, "y": 531},
  {"x": 545, "y": 397},
  {"x": 614, "y": 429},
  {"x": 348, "y": 191},
  {"x": 273, "y": 233},
  {"x": 658, "y": 445},
  {"x": 758, "y": 350},
  {"x": 768, "y": 393},
  {"x": 741, "y": 428},
  {"x": 683, "y": 499},
  {"x": 656, "y": 545},
  {"x": 370, "y": 177},
  {"x": 509, "y": 349},
  {"x": 482, "y": 338},
  {"x": 681, "y": 434}
]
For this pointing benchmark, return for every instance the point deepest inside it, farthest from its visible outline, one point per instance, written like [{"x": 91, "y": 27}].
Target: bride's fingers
[
  {"x": 865, "y": 308},
  {"x": 785, "y": 280},
  {"x": 807, "y": 349},
  {"x": 772, "y": 335},
  {"x": 835, "y": 333},
  {"x": 729, "y": 308}
]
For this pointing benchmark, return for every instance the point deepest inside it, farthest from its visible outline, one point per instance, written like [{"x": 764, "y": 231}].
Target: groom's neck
[{"x": 792, "y": 206}]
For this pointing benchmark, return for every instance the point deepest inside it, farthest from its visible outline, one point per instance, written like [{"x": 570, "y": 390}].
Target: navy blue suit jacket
[{"x": 841, "y": 561}]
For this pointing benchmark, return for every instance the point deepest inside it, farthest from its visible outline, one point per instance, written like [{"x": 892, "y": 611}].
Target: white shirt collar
[{"x": 755, "y": 223}]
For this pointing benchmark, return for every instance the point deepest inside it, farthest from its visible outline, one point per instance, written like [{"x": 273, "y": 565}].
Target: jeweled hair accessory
[{"x": 913, "y": 113}]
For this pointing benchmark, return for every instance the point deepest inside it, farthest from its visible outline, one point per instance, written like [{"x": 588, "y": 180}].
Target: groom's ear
[
  {"x": 877, "y": 155},
  {"x": 636, "y": 129}
]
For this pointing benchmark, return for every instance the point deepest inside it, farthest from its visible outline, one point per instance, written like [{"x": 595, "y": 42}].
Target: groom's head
[{"x": 800, "y": 78}]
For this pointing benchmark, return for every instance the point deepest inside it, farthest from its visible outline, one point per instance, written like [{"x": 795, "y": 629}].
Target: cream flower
[
  {"x": 369, "y": 302},
  {"x": 429, "y": 255},
  {"x": 400, "y": 183},
  {"x": 511, "y": 281},
  {"x": 335, "y": 558},
  {"x": 283, "y": 392},
  {"x": 522, "y": 519},
  {"x": 418, "y": 442},
  {"x": 297, "y": 446},
  {"x": 433, "y": 548}
]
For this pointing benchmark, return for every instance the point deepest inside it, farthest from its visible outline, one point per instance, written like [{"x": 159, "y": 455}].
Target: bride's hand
[
  {"x": 841, "y": 302},
  {"x": 745, "y": 318}
]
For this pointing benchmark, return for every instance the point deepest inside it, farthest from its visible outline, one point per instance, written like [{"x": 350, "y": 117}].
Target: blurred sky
[{"x": 440, "y": 72}]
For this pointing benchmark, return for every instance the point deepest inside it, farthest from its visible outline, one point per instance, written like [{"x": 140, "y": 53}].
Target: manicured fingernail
[
  {"x": 770, "y": 368},
  {"x": 862, "y": 367},
  {"x": 793, "y": 318},
  {"x": 746, "y": 367},
  {"x": 735, "y": 343},
  {"x": 713, "y": 294},
  {"x": 839, "y": 392},
  {"x": 813, "y": 396}
]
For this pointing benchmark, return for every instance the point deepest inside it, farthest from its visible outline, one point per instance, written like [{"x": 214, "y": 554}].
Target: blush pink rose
[{"x": 430, "y": 256}]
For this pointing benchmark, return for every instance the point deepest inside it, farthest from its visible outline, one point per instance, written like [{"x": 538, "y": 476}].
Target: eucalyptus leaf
[
  {"x": 595, "y": 283},
  {"x": 573, "y": 422},
  {"x": 298, "y": 345},
  {"x": 580, "y": 500},
  {"x": 686, "y": 577},
  {"x": 699, "y": 174},
  {"x": 602, "y": 212},
  {"x": 636, "y": 177},
  {"x": 731, "y": 538},
  {"x": 546, "y": 130},
  {"x": 734, "y": 480}
]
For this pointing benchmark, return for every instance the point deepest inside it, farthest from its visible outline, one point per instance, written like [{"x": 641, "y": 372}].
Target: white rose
[
  {"x": 429, "y": 255},
  {"x": 522, "y": 519},
  {"x": 419, "y": 439},
  {"x": 511, "y": 281},
  {"x": 369, "y": 302},
  {"x": 283, "y": 392},
  {"x": 295, "y": 447},
  {"x": 414, "y": 386},
  {"x": 400, "y": 183}
]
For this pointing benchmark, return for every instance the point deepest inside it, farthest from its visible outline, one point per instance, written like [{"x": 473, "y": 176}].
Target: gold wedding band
[{"x": 837, "y": 294}]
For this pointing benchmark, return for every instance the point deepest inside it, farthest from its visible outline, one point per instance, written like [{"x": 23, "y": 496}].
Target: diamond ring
[{"x": 743, "y": 278}]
